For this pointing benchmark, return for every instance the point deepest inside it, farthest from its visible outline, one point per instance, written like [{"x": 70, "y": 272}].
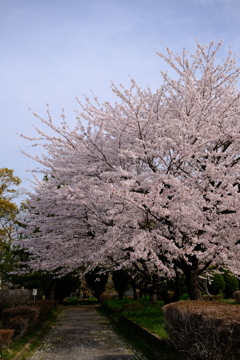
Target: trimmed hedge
[
  {"x": 12, "y": 298},
  {"x": 45, "y": 306},
  {"x": 206, "y": 331},
  {"x": 23, "y": 319},
  {"x": 6, "y": 337},
  {"x": 236, "y": 297}
]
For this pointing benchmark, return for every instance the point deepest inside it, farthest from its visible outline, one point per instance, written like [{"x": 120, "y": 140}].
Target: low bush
[
  {"x": 217, "y": 284},
  {"x": 11, "y": 298},
  {"x": 6, "y": 337},
  {"x": 22, "y": 319},
  {"x": 206, "y": 331},
  {"x": 232, "y": 284},
  {"x": 70, "y": 301},
  {"x": 45, "y": 306},
  {"x": 236, "y": 296},
  {"x": 184, "y": 297},
  {"x": 134, "y": 307},
  {"x": 30, "y": 341},
  {"x": 108, "y": 296},
  {"x": 213, "y": 297}
]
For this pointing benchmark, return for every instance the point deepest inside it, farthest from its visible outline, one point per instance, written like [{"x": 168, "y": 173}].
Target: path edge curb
[{"x": 152, "y": 341}]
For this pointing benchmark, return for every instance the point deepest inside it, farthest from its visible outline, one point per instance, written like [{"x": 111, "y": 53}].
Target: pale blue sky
[{"x": 55, "y": 50}]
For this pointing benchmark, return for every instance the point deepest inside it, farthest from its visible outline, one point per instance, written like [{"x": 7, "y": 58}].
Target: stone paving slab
[{"x": 81, "y": 333}]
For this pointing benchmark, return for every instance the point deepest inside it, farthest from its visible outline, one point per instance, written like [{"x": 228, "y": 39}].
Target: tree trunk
[
  {"x": 120, "y": 295},
  {"x": 165, "y": 297},
  {"x": 136, "y": 292},
  {"x": 177, "y": 288},
  {"x": 153, "y": 298},
  {"x": 191, "y": 273},
  {"x": 53, "y": 285}
]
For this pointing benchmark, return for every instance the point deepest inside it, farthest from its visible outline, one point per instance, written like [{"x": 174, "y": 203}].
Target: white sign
[{"x": 34, "y": 292}]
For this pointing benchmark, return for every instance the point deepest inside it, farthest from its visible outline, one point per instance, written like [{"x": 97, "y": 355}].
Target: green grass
[
  {"x": 229, "y": 301},
  {"x": 143, "y": 312},
  {"x": 39, "y": 334},
  {"x": 149, "y": 317},
  {"x": 127, "y": 333},
  {"x": 118, "y": 304}
]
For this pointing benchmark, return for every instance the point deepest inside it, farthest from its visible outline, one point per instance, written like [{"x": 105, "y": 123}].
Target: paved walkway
[{"x": 81, "y": 333}]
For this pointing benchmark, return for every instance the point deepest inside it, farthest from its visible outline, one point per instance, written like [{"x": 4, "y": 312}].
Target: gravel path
[{"x": 81, "y": 333}]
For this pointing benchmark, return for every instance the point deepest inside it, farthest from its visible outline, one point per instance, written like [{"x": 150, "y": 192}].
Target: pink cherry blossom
[{"x": 150, "y": 183}]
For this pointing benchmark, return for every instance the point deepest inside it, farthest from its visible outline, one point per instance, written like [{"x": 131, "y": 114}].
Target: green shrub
[
  {"x": 184, "y": 297},
  {"x": 232, "y": 284},
  {"x": 71, "y": 301},
  {"x": 217, "y": 285}
]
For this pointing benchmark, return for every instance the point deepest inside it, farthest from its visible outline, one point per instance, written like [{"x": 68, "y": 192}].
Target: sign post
[{"x": 34, "y": 293}]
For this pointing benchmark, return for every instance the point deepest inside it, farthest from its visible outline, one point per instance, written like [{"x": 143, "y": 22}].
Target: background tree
[
  {"x": 96, "y": 279},
  {"x": 67, "y": 285},
  {"x": 8, "y": 224},
  {"x": 8, "y": 209},
  {"x": 121, "y": 282}
]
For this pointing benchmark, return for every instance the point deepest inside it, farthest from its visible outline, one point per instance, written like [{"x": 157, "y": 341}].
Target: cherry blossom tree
[{"x": 151, "y": 183}]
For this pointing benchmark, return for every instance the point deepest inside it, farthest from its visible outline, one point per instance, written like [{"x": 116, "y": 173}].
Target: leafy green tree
[
  {"x": 8, "y": 209},
  {"x": 8, "y": 224},
  {"x": 66, "y": 285}
]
